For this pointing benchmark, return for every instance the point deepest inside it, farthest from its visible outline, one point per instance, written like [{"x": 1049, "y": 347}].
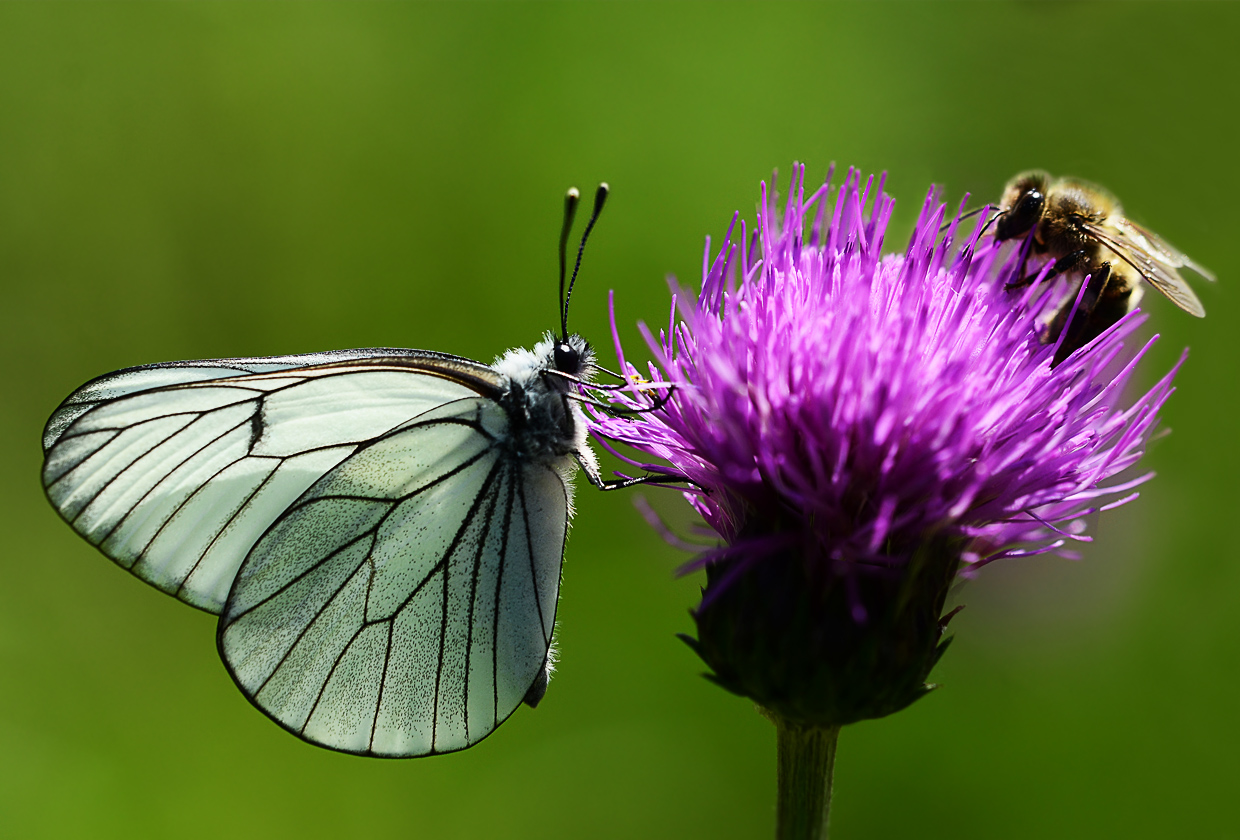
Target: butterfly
[{"x": 380, "y": 531}]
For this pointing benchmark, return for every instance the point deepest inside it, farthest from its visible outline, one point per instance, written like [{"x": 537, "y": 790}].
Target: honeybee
[{"x": 1082, "y": 227}]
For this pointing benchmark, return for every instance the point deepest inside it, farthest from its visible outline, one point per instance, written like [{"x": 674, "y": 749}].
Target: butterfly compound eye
[{"x": 567, "y": 359}]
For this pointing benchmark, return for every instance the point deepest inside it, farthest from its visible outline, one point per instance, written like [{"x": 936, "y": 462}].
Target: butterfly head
[
  {"x": 565, "y": 360},
  {"x": 573, "y": 356}
]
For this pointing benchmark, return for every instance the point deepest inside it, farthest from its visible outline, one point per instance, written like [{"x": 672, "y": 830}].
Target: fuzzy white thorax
[
  {"x": 526, "y": 367},
  {"x": 521, "y": 364}
]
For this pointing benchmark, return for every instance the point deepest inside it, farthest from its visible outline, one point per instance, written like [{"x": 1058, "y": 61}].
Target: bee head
[{"x": 1024, "y": 201}]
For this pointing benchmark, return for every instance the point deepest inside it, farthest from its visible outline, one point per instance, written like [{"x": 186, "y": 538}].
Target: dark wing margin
[
  {"x": 176, "y": 470},
  {"x": 405, "y": 605}
]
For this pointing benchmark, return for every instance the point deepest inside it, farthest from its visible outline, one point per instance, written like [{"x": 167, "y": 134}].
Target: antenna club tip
[{"x": 573, "y": 193}]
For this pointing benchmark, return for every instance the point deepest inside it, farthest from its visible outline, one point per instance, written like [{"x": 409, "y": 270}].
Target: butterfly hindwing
[
  {"x": 405, "y": 605},
  {"x": 176, "y": 470}
]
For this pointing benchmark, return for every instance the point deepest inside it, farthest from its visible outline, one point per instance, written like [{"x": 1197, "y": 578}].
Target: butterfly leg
[{"x": 596, "y": 478}]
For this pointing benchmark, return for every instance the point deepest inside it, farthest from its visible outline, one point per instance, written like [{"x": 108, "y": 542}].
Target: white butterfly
[{"x": 380, "y": 531}]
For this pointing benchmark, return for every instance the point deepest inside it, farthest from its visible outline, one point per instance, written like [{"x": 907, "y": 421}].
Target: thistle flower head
[{"x": 858, "y": 428}]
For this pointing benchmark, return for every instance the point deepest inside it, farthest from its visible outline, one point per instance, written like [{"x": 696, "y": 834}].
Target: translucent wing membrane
[
  {"x": 176, "y": 470},
  {"x": 1161, "y": 249},
  {"x": 405, "y": 605},
  {"x": 1155, "y": 260}
]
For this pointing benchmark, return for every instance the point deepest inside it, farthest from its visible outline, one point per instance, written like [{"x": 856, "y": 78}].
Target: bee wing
[
  {"x": 1156, "y": 267},
  {"x": 1163, "y": 250}
]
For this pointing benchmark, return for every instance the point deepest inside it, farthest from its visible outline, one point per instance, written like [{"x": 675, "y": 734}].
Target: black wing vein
[
  {"x": 447, "y": 567},
  {"x": 179, "y": 464}
]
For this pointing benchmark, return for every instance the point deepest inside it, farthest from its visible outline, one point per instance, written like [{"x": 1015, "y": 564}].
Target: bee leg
[
  {"x": 1082, "y": 320},
  {"x": 1020, "y": 271},
  {"x": 1116, "y": 298},
  {"x": 1064, "y": 264}
]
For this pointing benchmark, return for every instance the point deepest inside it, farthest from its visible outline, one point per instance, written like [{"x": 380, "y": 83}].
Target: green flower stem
[{"x": 806, "y": 767}]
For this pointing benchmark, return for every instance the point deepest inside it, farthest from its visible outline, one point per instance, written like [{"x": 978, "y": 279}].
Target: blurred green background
[{"x": 201, "y": 180}]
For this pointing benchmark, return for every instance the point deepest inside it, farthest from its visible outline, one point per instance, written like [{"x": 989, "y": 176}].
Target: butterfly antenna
[
  {"x": 600, "y": 197},
  {"x": 570, "y": 212}
]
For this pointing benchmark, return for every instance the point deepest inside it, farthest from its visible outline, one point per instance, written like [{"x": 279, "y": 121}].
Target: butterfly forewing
[
  {"x": 405, "y": 604},
  {"x": 117, "y": 384},
  {"x": 176, "y": 470}
]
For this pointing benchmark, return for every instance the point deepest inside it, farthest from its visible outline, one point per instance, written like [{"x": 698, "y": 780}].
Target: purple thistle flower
[{"x": 859, "y": 429}]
